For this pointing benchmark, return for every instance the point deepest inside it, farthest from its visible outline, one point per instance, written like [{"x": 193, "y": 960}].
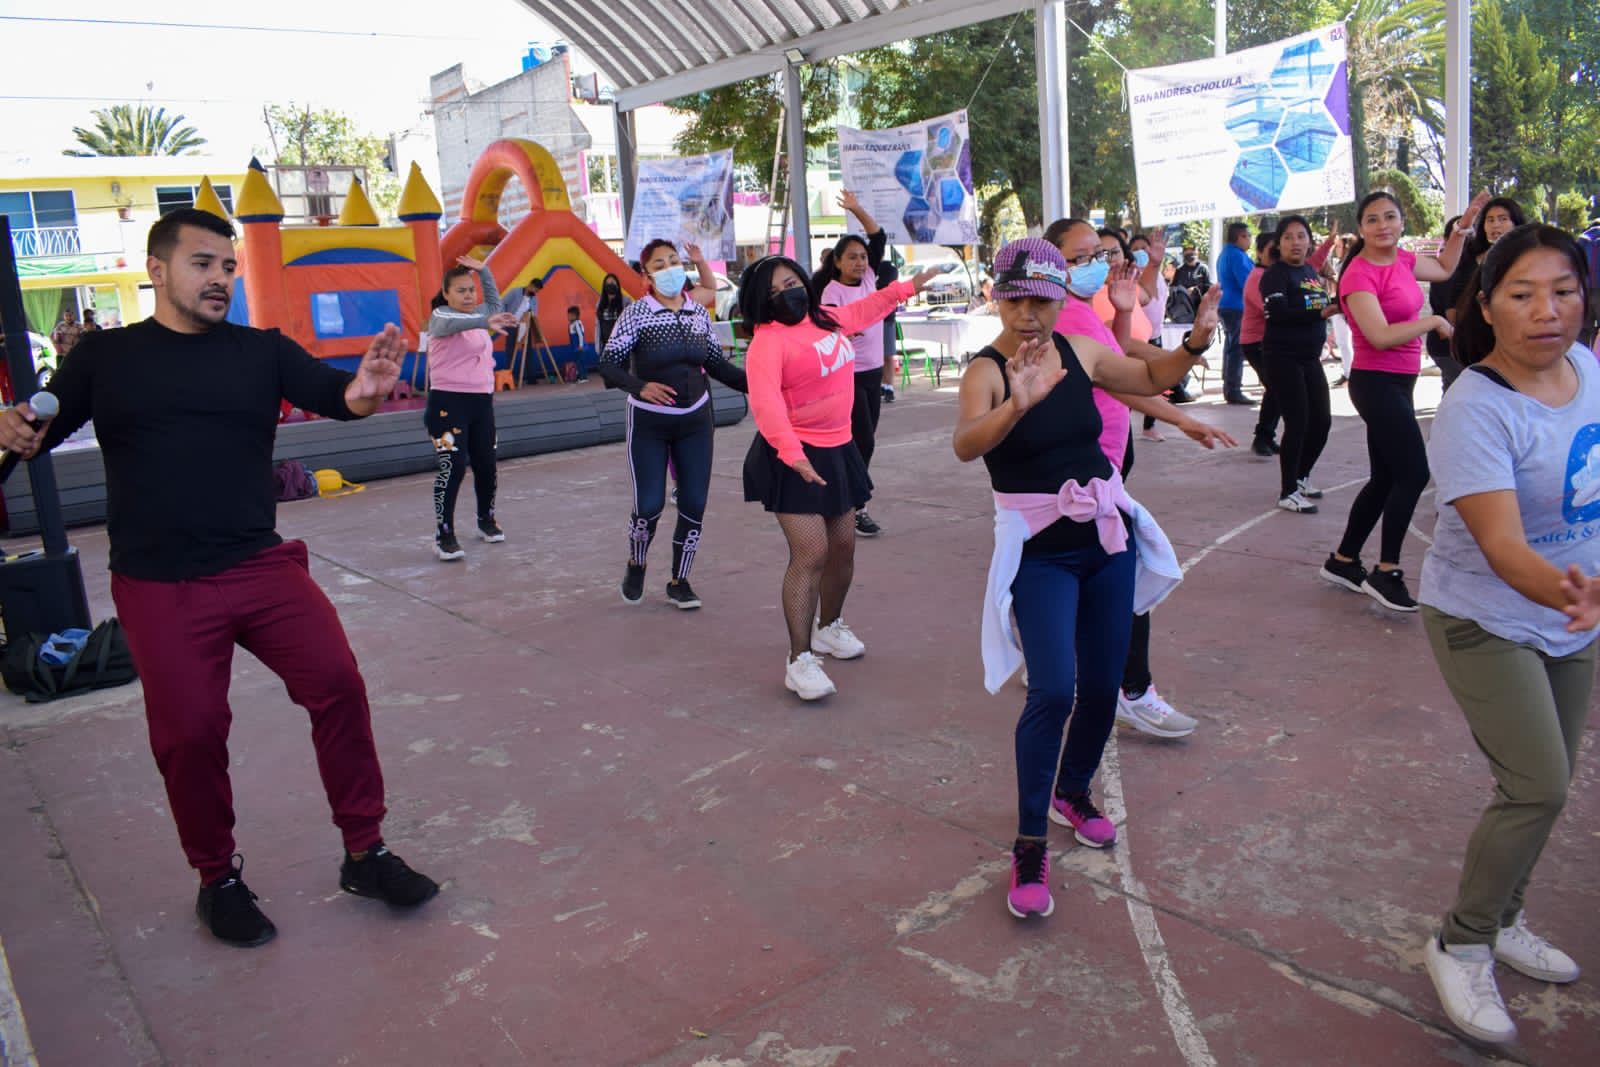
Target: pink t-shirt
[
  {"x": 869, "y": 342},
  {"x": 1254, "y": 325},
  {"x": 1078, "y": 317},
  {"x": 1399, "y": 297},
  {"x": 802, "y": 378}
]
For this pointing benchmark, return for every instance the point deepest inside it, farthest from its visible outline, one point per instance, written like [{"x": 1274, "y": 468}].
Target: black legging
[
  {"x": 653, "y": 438},
  {"x": 457, "y": 422},
  {"x": 1301, "y": 390},
  {"x": 1267, "y": 417},
  {"x": 1399, "y": 462},
  {"x": 864, "y": 413}
]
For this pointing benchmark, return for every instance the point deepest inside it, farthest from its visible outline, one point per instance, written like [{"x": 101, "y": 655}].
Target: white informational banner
[
  {"x": 915, "y": 181},
  {"x": 687, "y": 201},
  {"x": 1265, "y": 129}
]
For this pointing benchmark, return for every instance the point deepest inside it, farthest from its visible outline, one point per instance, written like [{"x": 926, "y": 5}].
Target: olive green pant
[{"x": 1527, "y": 712}]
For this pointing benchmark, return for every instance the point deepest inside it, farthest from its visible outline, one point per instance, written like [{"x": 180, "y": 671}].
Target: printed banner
[
  {"x": 915, "y": 181},
  {"x": 686, "y": 201},
  {"x": 1265, "y": 129}
]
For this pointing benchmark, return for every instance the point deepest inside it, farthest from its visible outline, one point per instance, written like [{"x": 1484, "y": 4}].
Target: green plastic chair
[{"x": 907, "y": 355}]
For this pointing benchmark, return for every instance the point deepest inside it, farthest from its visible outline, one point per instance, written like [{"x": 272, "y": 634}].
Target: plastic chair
[{"x": 907, "y": 355}]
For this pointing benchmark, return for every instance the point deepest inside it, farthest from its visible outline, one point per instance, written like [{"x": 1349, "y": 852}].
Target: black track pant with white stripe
[{"x": 654, "y": 437}]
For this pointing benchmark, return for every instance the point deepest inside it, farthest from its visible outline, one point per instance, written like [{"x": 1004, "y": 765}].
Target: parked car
[
  {"x": 952, "y": 285},
  {"x": 727, "y": 293}
]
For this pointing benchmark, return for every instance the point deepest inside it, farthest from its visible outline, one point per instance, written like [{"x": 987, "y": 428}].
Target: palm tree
[
  {"x": 124, "y": 130},
  {"x": 1396, "y": 75}
]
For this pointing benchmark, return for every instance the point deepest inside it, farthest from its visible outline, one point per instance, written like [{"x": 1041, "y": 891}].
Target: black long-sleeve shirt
[
  {"x": 654, "y": 343},
  {"x": 1292, "y": 299},
  {"x": 186, "y": 424}
]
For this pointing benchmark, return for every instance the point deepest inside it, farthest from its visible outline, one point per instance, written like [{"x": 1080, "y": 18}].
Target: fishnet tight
[{"x": 822, "y": 561}]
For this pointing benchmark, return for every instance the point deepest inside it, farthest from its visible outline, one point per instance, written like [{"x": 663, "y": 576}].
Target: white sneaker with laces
[
  {"x": 1307, "y": 490},
  {"x": 1523, "y": 950},
  {"x": 806, "y": 679},
  {"x": 1297, "y": 503},
  {"x": 1149, "y": 714},
  {"x": 837, "y": 640},
  {"x": 1463, "y": 976}
]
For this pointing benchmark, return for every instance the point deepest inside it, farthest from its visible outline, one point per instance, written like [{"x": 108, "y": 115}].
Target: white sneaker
[
  {"x": 1523, "y": 950},
  {"x": 1463, "y": 976},
  {"x": 1297, "y": 503},
  {"x": 837, "y": 640},
  {"x": 1307, "y": 490},
  {"x": 805, "y": 677},
  {"x": 1151, "y": 715}
]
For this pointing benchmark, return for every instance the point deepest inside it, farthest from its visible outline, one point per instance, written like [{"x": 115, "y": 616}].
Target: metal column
[
  {"x": 795, "y": 118},
  {"x": 1457, "y": 104},
  {"x": 1052, "y": 62},
  {"x": 1219, "y": 41},
  {"x": 627, "y": 160}
]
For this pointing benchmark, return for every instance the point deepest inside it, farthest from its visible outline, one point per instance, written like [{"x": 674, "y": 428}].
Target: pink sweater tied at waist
[{"x": 1102, "y": 501}]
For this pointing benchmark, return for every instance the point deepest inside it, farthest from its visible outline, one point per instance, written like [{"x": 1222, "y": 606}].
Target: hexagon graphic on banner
[{"x": 1259, "y": 178}]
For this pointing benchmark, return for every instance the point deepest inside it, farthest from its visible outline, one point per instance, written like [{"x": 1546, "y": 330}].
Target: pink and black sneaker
[
  {"x": 1030, "y": 879},
  {"x": 1088, "y": 825}
]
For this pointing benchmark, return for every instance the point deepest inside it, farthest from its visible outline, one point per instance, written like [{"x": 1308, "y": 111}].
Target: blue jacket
[{"x": 1233, "y": 267}]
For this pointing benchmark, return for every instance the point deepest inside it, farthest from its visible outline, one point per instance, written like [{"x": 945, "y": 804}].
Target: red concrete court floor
[{"x": 652, "y": 854}]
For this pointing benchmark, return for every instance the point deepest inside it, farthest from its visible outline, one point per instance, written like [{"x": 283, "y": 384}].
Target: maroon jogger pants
[{"x": 182, "y": 636}]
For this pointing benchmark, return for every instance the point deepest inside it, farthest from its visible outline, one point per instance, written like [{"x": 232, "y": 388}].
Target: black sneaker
[
  {"x": 1263, "y": 447},
  {"x": 1240, "y": 401},
  {"x": 865, "y": 527},
  {"x": 1389, "y": 589},
  {"x": 681, "y": 593},
  {"x": 1351, "y": 575},
  {"x": 228, "y": 909},
  {"x": 383, "y": 875},
  {"x": 490, "y": 531},
  {"x": 446, "y": 547},
  {"x": 633, "y": 584}
]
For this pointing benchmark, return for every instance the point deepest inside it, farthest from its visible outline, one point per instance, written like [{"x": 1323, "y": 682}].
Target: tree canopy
[
  {"x": 135, "y": 130},
  {"x": 302, "y": 136}
]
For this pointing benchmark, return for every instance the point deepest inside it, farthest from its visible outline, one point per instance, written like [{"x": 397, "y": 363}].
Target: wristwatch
[{"x": 1186, "y": 348}]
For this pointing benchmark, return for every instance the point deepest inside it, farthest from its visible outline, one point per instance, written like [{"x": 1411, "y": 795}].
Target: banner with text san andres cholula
[
  {"x": 686, "y": 201},
  {"x": 915, "y": 181},
  {"x": 1265, "y": 129}
]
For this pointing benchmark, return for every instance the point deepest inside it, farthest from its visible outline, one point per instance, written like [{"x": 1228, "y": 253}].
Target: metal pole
[
  {"x": 1457, "y": 104},
  {"x": 1052, "y": 61},
  {"x": 627, "y": 160},
  {"x": 799, "y": 210},
  {"x": 1219, "y": 39}
]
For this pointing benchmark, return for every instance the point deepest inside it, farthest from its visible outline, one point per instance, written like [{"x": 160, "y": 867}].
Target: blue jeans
[
  {"x": 1232, "y": 352},
  {"x": 1074, "y": 611}
]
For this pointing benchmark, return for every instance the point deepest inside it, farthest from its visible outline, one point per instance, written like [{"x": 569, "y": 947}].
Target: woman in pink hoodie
[
  {"x": 803, "y": 465},
  {"x": 460, "y": 411}
]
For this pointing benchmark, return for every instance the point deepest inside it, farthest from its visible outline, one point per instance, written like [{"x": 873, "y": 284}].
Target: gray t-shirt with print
[{"x": 1487, "y": 437}]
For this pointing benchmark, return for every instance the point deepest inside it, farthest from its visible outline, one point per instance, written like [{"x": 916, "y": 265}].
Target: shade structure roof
[{"x": 654, "y": 50}]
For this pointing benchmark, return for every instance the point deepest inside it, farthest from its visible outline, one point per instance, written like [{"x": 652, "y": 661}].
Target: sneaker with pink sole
[
  {"x": 1030, "y": 879},
  {"x": 1088, "y": 825}
]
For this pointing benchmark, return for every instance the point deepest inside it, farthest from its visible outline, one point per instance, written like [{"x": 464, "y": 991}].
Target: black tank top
[{"x": 1057, "y": 441}]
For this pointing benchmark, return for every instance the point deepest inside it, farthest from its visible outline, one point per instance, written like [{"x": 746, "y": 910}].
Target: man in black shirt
[
  {"x": 1193, "y": 277},
  {"x": 195, "y": 574}
]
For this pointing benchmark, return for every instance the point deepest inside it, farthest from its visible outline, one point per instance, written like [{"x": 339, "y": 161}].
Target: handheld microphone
[{"x": 45, "y": 407}]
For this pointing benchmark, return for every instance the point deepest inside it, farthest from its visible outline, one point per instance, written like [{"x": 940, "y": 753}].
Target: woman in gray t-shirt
[{"x": 1507, "y": 596}]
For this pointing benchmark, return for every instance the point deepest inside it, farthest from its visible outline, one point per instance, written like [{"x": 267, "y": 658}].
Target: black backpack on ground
[{"x": 104, "y": 661}]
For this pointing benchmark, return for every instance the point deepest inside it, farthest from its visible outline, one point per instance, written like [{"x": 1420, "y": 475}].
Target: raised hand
[
  {"x": 1030, "y": 379},
  {"x": 922, "y": 278},
  {"x": 380, "y": 367},
  {"x": 1205, "y": 316},
  {"x": 503, "y": 320},
  {"x": 1583, "y": 600},
  {"x": 693, "y": 251},
  {"x": 1158, "y": 243},
  {"x": 848, "y": 201},
  {"x": 469, "y": 262},
  {"x": 1123, "y": 287},
  {"x": 1469, "y": 217}
]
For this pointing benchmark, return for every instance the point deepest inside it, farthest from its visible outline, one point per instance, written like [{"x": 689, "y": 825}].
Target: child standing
[{"x": 460, "y": 411}]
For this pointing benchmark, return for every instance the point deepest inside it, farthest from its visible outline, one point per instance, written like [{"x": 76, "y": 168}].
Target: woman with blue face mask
[{"x": 659, "y": 353}]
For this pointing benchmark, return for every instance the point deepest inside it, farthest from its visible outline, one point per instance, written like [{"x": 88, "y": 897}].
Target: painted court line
[{"x": 16, "y": 1048}]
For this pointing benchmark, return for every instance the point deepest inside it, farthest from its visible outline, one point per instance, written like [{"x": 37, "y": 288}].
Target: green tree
[
  {"x": 1569, "y": 35},
  {"x": 1396, "y": 56},
  {"x": 1421, "y": 214},
  {"x": 301, "y": 136},
  {"x": 1511, "y": 88},
  {"x": 141, "y": 130}
]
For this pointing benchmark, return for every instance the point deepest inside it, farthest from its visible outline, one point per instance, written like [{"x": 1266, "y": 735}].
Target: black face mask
[{"x": 793, "y": 305}]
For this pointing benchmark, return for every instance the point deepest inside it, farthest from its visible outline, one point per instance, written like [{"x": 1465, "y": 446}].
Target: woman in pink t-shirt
[
  {"x": 803, "y": 465},
  {"x": 1380, "y": 297}
]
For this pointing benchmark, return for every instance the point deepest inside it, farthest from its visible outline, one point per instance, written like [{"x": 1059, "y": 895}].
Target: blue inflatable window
[{"x": 354, "y": 312}]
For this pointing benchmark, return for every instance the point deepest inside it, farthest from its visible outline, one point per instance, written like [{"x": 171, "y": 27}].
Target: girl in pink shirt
[
  {"x": 1380, "y": 297},
  {"x": 803, "y": 465},
  {"x": 460, "y": 412}
]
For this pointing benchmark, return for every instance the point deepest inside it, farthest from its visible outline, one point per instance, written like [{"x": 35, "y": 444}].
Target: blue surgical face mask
[
  {"x": 669, "y": 282},
  {"x": 1141, "y": 258},
  {"x": 1086, "y": 280}
]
